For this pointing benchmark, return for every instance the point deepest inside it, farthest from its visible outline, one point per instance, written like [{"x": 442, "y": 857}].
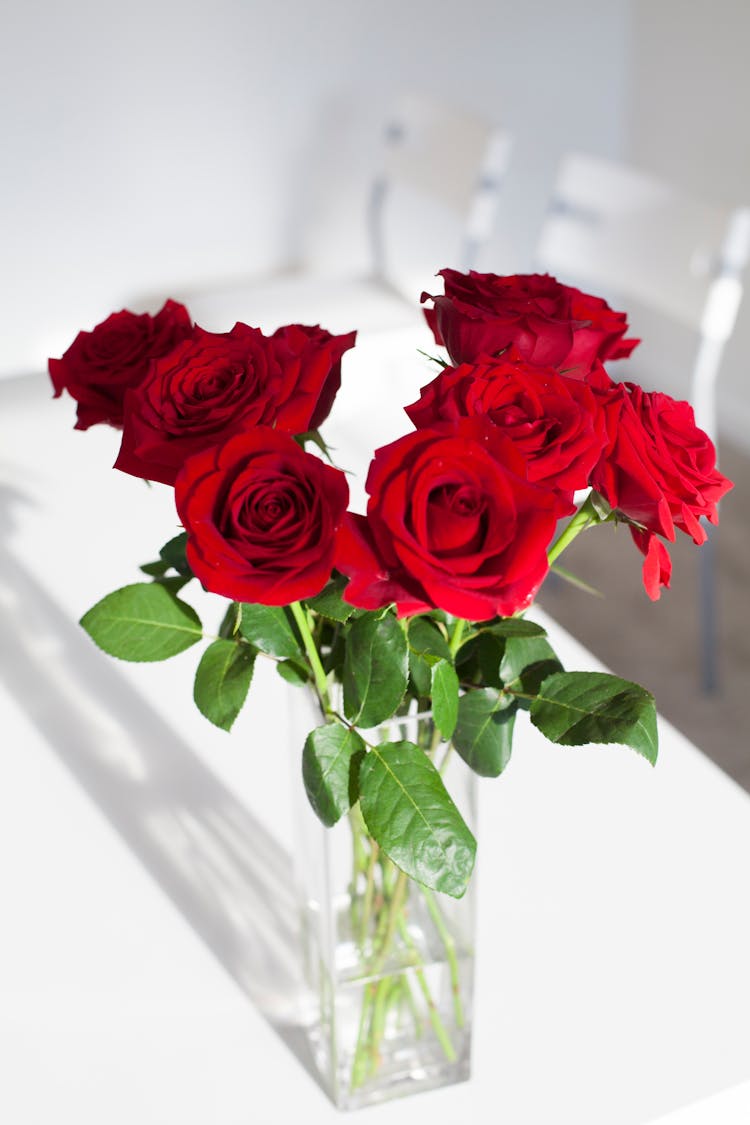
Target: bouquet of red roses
[{"x": 415, "y": 607}]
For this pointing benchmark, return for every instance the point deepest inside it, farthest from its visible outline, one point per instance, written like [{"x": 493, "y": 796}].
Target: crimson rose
[
  {"x": 99, "y": 366},
  {"x": 309, "y": 362},
  {"x": 552, "y": 324},
  {"x": 659, "y": 471},
  {"x": 555, "y": 422},
  {"x": 218, "y": 384},
  {"x": 452, "y": 523},
  {"x": 262, "y": 517}
]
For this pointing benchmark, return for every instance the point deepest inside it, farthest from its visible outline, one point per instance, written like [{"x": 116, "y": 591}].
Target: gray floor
[{"x": 657, "y": 644}]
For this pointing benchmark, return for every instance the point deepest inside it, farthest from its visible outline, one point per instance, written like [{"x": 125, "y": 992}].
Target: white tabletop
[{"x": 147, "y": 971}]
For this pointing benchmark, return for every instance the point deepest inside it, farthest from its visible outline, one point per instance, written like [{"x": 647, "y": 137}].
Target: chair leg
[{"x": 708, "y": 614}]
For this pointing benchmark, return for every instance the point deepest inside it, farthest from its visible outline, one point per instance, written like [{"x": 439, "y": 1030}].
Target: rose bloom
[
  {"x": 262, "y": 517},
  {"x": 309, "y": 360},
  {"x": 659, "y": 471},
  {"x": 217, "y": 384},
  {"x": 554, "y": 421},
  {"x": 452, "y": 523},
  {"x": 99, "y": 366},
  {"x": 481, "y": 314}
]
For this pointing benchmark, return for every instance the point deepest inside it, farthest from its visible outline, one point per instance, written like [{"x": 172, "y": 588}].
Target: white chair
[
  {"x": 441, "y": 171},
  {"x": 628, "y": 236}
]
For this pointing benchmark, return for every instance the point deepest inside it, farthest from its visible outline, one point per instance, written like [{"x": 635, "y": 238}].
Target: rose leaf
[
  {"x": 330, "y": 769},
  {"x": 484, "y": 730},
  {"x": 293, "y": 673},
  {"x": 478, "y": 660},
  {"x": 173, "y": 554},
  {"x": 142, "y": 622},
  {"x": 408, "y": 810},
  {"x": 375, "y": 670},
  {"x": 445, "y": 697},
  {"x": 427, "y": 646},
  {"x": 514, "y": 627},
  {"x": 155, "y": 569},
  {"x": 575, "y": 708},
  {"x": 269, "y": 629},
  {"x": 526, "y": 662},
  {"x": 329, "y": 602},
  {"x": 222, "y": 681}
]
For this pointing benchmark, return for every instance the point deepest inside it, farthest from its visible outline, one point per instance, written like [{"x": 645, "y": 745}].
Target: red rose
[
  {"x": 262, "y": 517},
  {"x": 99, "y": 366},
  {"x": 659, "y": 471},
  {"x": 217, "y": 384},
  {"x": 451, "y": 523},
  {"x": 549, "y": 323},
  {"x": 310, "y": 366},
  {"x": 554, "y": 421}
]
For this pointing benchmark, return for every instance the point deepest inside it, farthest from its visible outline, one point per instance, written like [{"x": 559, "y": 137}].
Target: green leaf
[
  {"x": 375, "y": 670},
  {"x": 173, "y": 554},
  {"x": 526, "y": 662},
  {"x": 173, "y": 582},
  {"x": 333, "y": 659},
  {"x": 142, "y": 622},
  {"x": 514, "y": 627},
  {"x": 425, "y": 639},
  {"x": 230, "y": 625},
  {"x": 269, "y": 629},
  {"x": 329, "y": 601},
  {"x": 427, "y": 645},
  {"x": 222, "y": 681},
  {"x": 445, "y": 697},
  {"x": 478, "y": 660},
  {"x": 330, "y": 770},
  {"x": 155, "y": 569},
  {"x": 292, "y": 673},
  {"x": 408, "y": 810},
  {"x": 484, "y": 731},
  {"x": 574, "y": 708},
  {"x": 420, "y": 675}
]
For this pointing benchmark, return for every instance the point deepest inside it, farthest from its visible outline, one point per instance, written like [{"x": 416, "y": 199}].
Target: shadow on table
[{"x": 226, "y": 874}]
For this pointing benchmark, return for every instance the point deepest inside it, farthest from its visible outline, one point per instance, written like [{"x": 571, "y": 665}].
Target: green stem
[
  {"x": 458, "y": 631},
  {"x": 435, "y": 741},
  {"x": 450, "y": 951},
  {"x": 321, "y": 680},
  {"x": 412, "y": 1006},
  {"x": 584, "y": 517},
  {"x": 396, "y": 905},
  {"x": 369, "y": 891},
  {"x": 446, "y": 759},
  {"x": 359, "y": 864},
  {"x": 379, "y": 1014},
  {"x": 360, "y": 1065},
  {"x": 437, "y": 1024}
]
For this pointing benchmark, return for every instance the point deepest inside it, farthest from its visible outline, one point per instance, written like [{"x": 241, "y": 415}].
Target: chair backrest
[
  {"x": 435, "y": 199},
  {"x": 636, "y": 236}
]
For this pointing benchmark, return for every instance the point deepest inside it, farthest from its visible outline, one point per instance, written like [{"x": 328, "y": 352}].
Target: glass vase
[{"x": 388, "y": 963}]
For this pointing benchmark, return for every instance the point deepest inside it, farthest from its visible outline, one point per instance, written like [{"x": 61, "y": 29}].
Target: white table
[{"x": 145, "y": 968}]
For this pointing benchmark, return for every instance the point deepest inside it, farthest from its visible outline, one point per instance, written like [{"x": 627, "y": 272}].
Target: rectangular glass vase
[{"x": 389, "y": 964}]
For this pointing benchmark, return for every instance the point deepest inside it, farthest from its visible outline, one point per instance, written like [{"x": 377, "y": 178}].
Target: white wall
[
  {"x": 688, "y": 122},
  {"x": 154, "y": 145}
]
